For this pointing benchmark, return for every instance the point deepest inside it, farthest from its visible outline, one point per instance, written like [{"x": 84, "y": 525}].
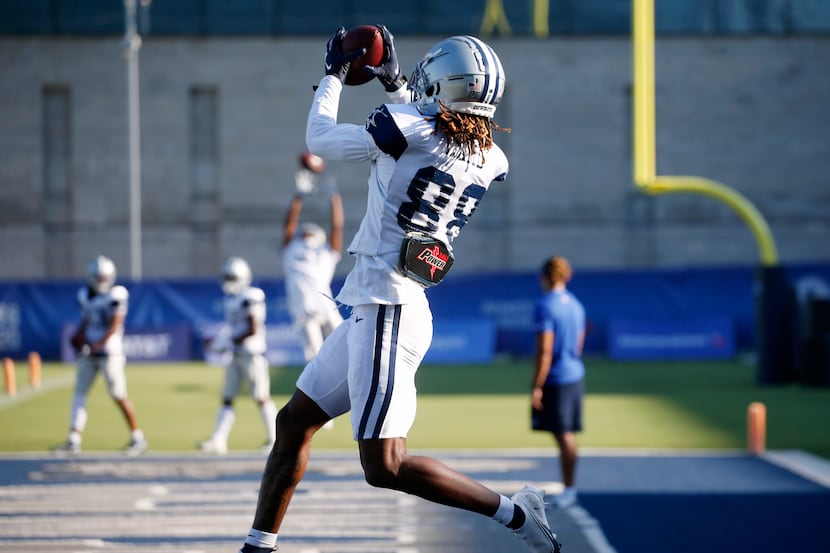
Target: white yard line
[
  {"x": 55, "y": 383},
  {"x": 809, "y": 466},
  {"x": 591, "y": 529}
]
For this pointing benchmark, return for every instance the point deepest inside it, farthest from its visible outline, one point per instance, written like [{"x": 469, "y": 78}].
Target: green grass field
[{"x": 628, "y": 405}]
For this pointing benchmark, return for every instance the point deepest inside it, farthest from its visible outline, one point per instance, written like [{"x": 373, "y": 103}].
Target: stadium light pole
[{"x": 132, "y": 44}]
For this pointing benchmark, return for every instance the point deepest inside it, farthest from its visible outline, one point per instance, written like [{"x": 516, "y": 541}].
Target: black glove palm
[
  {"x": 389, "y": 71},
  {"x": 337, "y": 63}
]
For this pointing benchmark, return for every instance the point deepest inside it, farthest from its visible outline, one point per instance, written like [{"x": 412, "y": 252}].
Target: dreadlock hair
[{"x": 472, "y": 134}]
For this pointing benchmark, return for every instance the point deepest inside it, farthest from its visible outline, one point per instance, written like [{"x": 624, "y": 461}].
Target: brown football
[
  {"x": 312, "y": 162},
  {"x": 362, "y": 36},
  {"x": 78, "y": 340}
]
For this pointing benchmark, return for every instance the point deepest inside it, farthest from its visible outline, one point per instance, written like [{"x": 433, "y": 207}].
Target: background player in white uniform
[
  {"x": 244, "y": 335},
  {"x": 99, "y": 343},
  {"x": 431, "y": 163},
  {"x": 309, "y": 260}
]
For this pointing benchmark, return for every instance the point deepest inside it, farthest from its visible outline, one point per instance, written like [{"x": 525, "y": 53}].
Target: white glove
[{"x": 304, "y": 179}]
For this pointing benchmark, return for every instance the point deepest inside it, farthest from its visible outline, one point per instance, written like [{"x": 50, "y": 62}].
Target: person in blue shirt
[{"x": 558, "y": 371}]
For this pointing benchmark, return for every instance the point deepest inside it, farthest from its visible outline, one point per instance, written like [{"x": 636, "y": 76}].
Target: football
[
  {"x": 362, "y": 36},
  {"x": 312, "y": 162},
  {"x": 77, "y": 340}
]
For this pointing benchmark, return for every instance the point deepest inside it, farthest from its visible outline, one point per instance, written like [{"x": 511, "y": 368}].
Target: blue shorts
[{"x": 561, "y": 409}]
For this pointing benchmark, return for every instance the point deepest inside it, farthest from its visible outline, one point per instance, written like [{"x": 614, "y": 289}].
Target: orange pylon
[
  {"x": 8, "y": 373},
  {"x": 756, "y": 427},
  {"x": 34, "y": 369}
]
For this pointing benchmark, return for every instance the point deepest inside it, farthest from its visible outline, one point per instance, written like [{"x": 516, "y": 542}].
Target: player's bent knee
[
  {"x": 293, "y": 422},
  {"x": 380, "y": 478},
  {"x": 382, "y": 473},
  {"x": 284, "y": 420}
]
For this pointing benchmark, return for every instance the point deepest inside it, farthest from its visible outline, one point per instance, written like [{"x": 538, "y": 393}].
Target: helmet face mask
[
  {"x": 101, "y": 274},
  {"x": 463, "y": 73},
  {"x": 236, "y": 276}
]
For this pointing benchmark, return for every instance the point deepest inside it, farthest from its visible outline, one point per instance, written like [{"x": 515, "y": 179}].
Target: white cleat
[
  {"x": 135, "y": 448},
  {"x": 535, "y": 532},
  {"x": 67, "y": 448},
  {"x": 214, "y": 446}
]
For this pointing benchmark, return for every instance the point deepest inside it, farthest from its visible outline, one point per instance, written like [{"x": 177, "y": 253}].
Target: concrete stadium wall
[{"x": 223, "y": 119}]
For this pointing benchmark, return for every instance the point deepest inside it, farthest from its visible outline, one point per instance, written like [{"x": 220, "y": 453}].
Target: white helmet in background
[
  {"x": 101, "y": 274},
  {"x": 464, "y": 73},
  {"x": 236, "y": 276},
  {"x": 313, "y": 235}
]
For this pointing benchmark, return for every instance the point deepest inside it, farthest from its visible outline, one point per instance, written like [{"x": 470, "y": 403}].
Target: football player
[
  {"x": 309, "y": 259},
  {"x": 432, "y": 158},
  {"x": 244, "y": 336},
  {"x": 99, "y": 344}
]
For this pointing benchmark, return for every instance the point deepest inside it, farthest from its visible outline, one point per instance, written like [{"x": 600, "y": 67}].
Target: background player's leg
[
  {"x": 567, "y": 456},
  {"x": 84, "y": 376},
  {"x": 312, "y": 335}
]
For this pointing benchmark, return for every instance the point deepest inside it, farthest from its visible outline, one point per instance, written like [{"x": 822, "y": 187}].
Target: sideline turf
[{"x": 638, "y": 405}]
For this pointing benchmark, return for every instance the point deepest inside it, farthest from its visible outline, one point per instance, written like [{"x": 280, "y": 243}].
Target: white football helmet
[
  {"x": 236, "y": 276},
  {"x": 312, "y": 234},
  {"x": 464, "y": 73},
  {"x": 101, "y": 274}
]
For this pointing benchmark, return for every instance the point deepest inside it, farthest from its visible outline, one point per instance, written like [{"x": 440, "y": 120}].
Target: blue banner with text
[{"x": 169, "y": 318}]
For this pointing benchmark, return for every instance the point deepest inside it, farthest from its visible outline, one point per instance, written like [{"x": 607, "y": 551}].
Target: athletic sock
[
  {"x": 262, "y": 540},
  {"x": 224, "y": 423},
  {"x": 519, "y": 518},
  {"x": 248, "y": 548},
  {"x": 509, "y": 514}
]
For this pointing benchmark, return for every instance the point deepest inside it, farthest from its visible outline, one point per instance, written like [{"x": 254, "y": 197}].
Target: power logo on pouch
[{"x": 424, "y": 259}]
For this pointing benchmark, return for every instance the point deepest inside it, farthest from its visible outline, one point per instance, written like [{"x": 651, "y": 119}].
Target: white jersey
[
  {"x": 238, "y": 307},
  {"x": 415, "y": 185},
  {"x": 98, "y": 311},
  {"x": 308, "y": 275}
]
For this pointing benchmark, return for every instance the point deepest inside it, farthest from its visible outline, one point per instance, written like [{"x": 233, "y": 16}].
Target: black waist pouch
[{"x": 424, "y": 259}]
